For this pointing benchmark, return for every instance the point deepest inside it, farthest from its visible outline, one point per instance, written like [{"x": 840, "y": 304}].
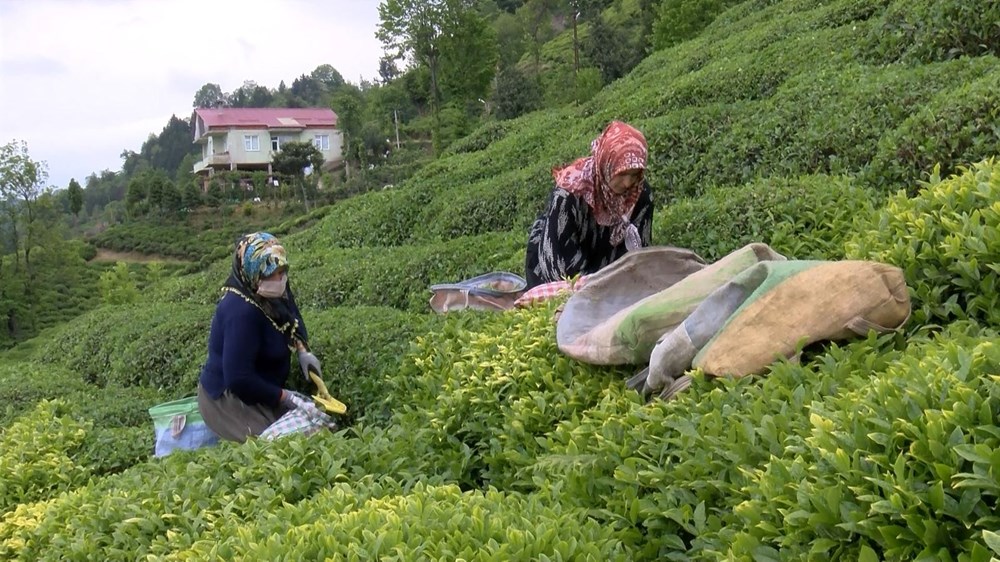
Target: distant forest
[{"x": 448, "y": 67}]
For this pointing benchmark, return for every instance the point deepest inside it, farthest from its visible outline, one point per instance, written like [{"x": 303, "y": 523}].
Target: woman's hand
[
  {"x": 292, "y": 400},
  {"x": 308, "y": 361}
]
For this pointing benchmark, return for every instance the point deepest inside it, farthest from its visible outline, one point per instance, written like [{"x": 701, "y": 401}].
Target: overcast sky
[{"x": 83, "y": 80}]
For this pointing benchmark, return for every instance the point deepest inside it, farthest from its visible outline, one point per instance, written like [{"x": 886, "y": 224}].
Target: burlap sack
[
  {"x": 829, "y": 301},
  {"x": 769, "y": 312},
  {"x": 624, "y": 309}
]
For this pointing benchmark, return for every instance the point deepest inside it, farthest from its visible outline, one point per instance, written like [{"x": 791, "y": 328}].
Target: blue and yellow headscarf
[{"x": 258, "y": 255}]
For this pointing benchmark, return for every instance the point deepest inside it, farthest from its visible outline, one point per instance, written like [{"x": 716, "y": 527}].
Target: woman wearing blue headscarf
[{"x": 255, "y": 328}]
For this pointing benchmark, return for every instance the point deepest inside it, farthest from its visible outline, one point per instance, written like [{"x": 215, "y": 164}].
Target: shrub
[
  {"x": 805, "y": 218},
  {"x": 36, "y": 455},
  {"x": 896, "y": 465},
  {"x": 23, "y": 384},
  {"x": 160, "y": 346},
  {"x": 503, "y": 203},
  {"x": 117, "y": 286},
  {"x": 400, "y": 276},
  {"x": 479, "y": 139},
  {"x": 929, "y": 30},
  {"x": 378, "y": 218},
  {"x": 360, "y": 350},
  {"x": 946, "y": 241},
  {"x": 879, "y": 437},
  {"x": 957, "y": 127},
  {"x": 426, "y": 522},
  {"x": 492, "y": 384}
]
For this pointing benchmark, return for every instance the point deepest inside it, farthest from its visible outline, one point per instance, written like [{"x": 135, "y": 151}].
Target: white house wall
[
  {"x": 335, "y": 154},
  {"x": 240, "y": 155}
]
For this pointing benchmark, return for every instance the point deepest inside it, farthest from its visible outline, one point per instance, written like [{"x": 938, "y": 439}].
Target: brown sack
[{"x": 828, "y": 301}]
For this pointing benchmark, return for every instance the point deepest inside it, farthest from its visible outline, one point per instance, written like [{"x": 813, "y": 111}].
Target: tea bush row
[
  {"x": 945, "y": 239},
  {"x": 673, "y": 479},
  {"x": 158, "y": 346},
  {"x": 711, "y": 120},
  {"x": 37, "y": 455},
  {"x": 900, "y": 462},
  {"x": 809, "y": 217},
  {"x": 426, "y": 522},
  {"x": 26, "y": 382},
  {"x": 173, "y": 240},
  {"x": 957, "y": 127},
  {"x": 162, "y": 348},
  {"x": 492, "y": 391},
  {"x": 192, "y": 500},
  {"x": 862, "y": 448},
  {"x": 360, "y": 349},
  {"x": 933, "y": 30},
  {"x": 121, "y": 434},
  {"x": 399, "y": 276}
]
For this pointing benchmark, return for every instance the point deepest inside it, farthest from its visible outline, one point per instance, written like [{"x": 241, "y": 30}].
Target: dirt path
[{"x": 105, "y": 255}]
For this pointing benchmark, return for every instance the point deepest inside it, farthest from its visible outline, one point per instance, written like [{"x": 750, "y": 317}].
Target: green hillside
[{"x": 860, "y": 129}]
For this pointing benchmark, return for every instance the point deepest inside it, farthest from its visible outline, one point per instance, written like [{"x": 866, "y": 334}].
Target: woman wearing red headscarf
[{"x": 601, "y": 207}]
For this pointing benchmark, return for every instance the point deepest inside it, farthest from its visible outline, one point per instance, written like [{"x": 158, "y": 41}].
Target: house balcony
[{"x": 217, "y": 161}]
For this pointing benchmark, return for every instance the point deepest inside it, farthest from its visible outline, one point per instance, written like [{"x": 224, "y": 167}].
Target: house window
[
  {"x": 322, "y": 142},
  {"x": 275, "y": 143},
  {"x": 251, "y": 143}
]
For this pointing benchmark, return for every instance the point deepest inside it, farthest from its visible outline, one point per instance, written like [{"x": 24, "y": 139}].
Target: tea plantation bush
[
  {"x": 708, "y": 474},
  {"x": 927, "y": 30},
  {"x": 24, "y": 383},
  {"x": 399, "y": 276},
  {"x": 805, "y": 218},
  {"x": 750, "y": 468},
  {"x": 36, "y": 456},
  {"x": 359, "y": 348},
  {"x": 946, "y": 241},
  {"x": 55, "y": 447},
  {"x": 492, "y": 391},
  {"x": 954, "y": 129},
  {"x": 427, "y": 522},
  {"x": 160, "y": 346},
  {"x": 323, "y": 276},
  {"x": 172, "y": 240}
]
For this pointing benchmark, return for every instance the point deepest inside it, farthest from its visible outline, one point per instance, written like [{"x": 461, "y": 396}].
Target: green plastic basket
[{"x": 163, "y": 414}]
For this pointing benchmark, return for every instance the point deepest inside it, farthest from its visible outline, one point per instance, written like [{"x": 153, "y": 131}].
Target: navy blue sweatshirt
[{"x": 246, "y": 353}]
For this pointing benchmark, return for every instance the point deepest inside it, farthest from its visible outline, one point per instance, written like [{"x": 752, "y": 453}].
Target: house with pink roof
[{"x": 234, "y": 138}]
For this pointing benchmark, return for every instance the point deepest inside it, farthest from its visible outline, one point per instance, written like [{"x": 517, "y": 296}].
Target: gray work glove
[{"x": 308, "y": 361}]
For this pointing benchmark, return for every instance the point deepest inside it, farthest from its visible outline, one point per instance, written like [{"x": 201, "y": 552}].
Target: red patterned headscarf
[{"x": 619, "y": 148}]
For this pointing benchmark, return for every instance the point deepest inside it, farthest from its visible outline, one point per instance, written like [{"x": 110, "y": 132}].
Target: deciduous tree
[
  {"x": 294, "y": 158},
  {"x": 21, "y": 183},
  {"x": 418, "y": 30},
  {"x": 468, "y": 58},
  {"x": 250, "y": 94},
  {"x": 348, "y": 105},
  {"x": 537, "y": 16},
  {"x": 209, "y": 95},
  {"x": 328, "y": 77},
  {"x": 515, "y": 94}
]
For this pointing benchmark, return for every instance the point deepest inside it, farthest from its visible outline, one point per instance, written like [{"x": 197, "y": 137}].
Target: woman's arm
[
  {"x": 241, "y": 343},
  {"x": 558, "y": 244},
  {"x": 642, "y": 215}
]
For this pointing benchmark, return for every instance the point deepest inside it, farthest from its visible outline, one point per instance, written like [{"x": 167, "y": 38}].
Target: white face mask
[{"x": 274, "y": 288}]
